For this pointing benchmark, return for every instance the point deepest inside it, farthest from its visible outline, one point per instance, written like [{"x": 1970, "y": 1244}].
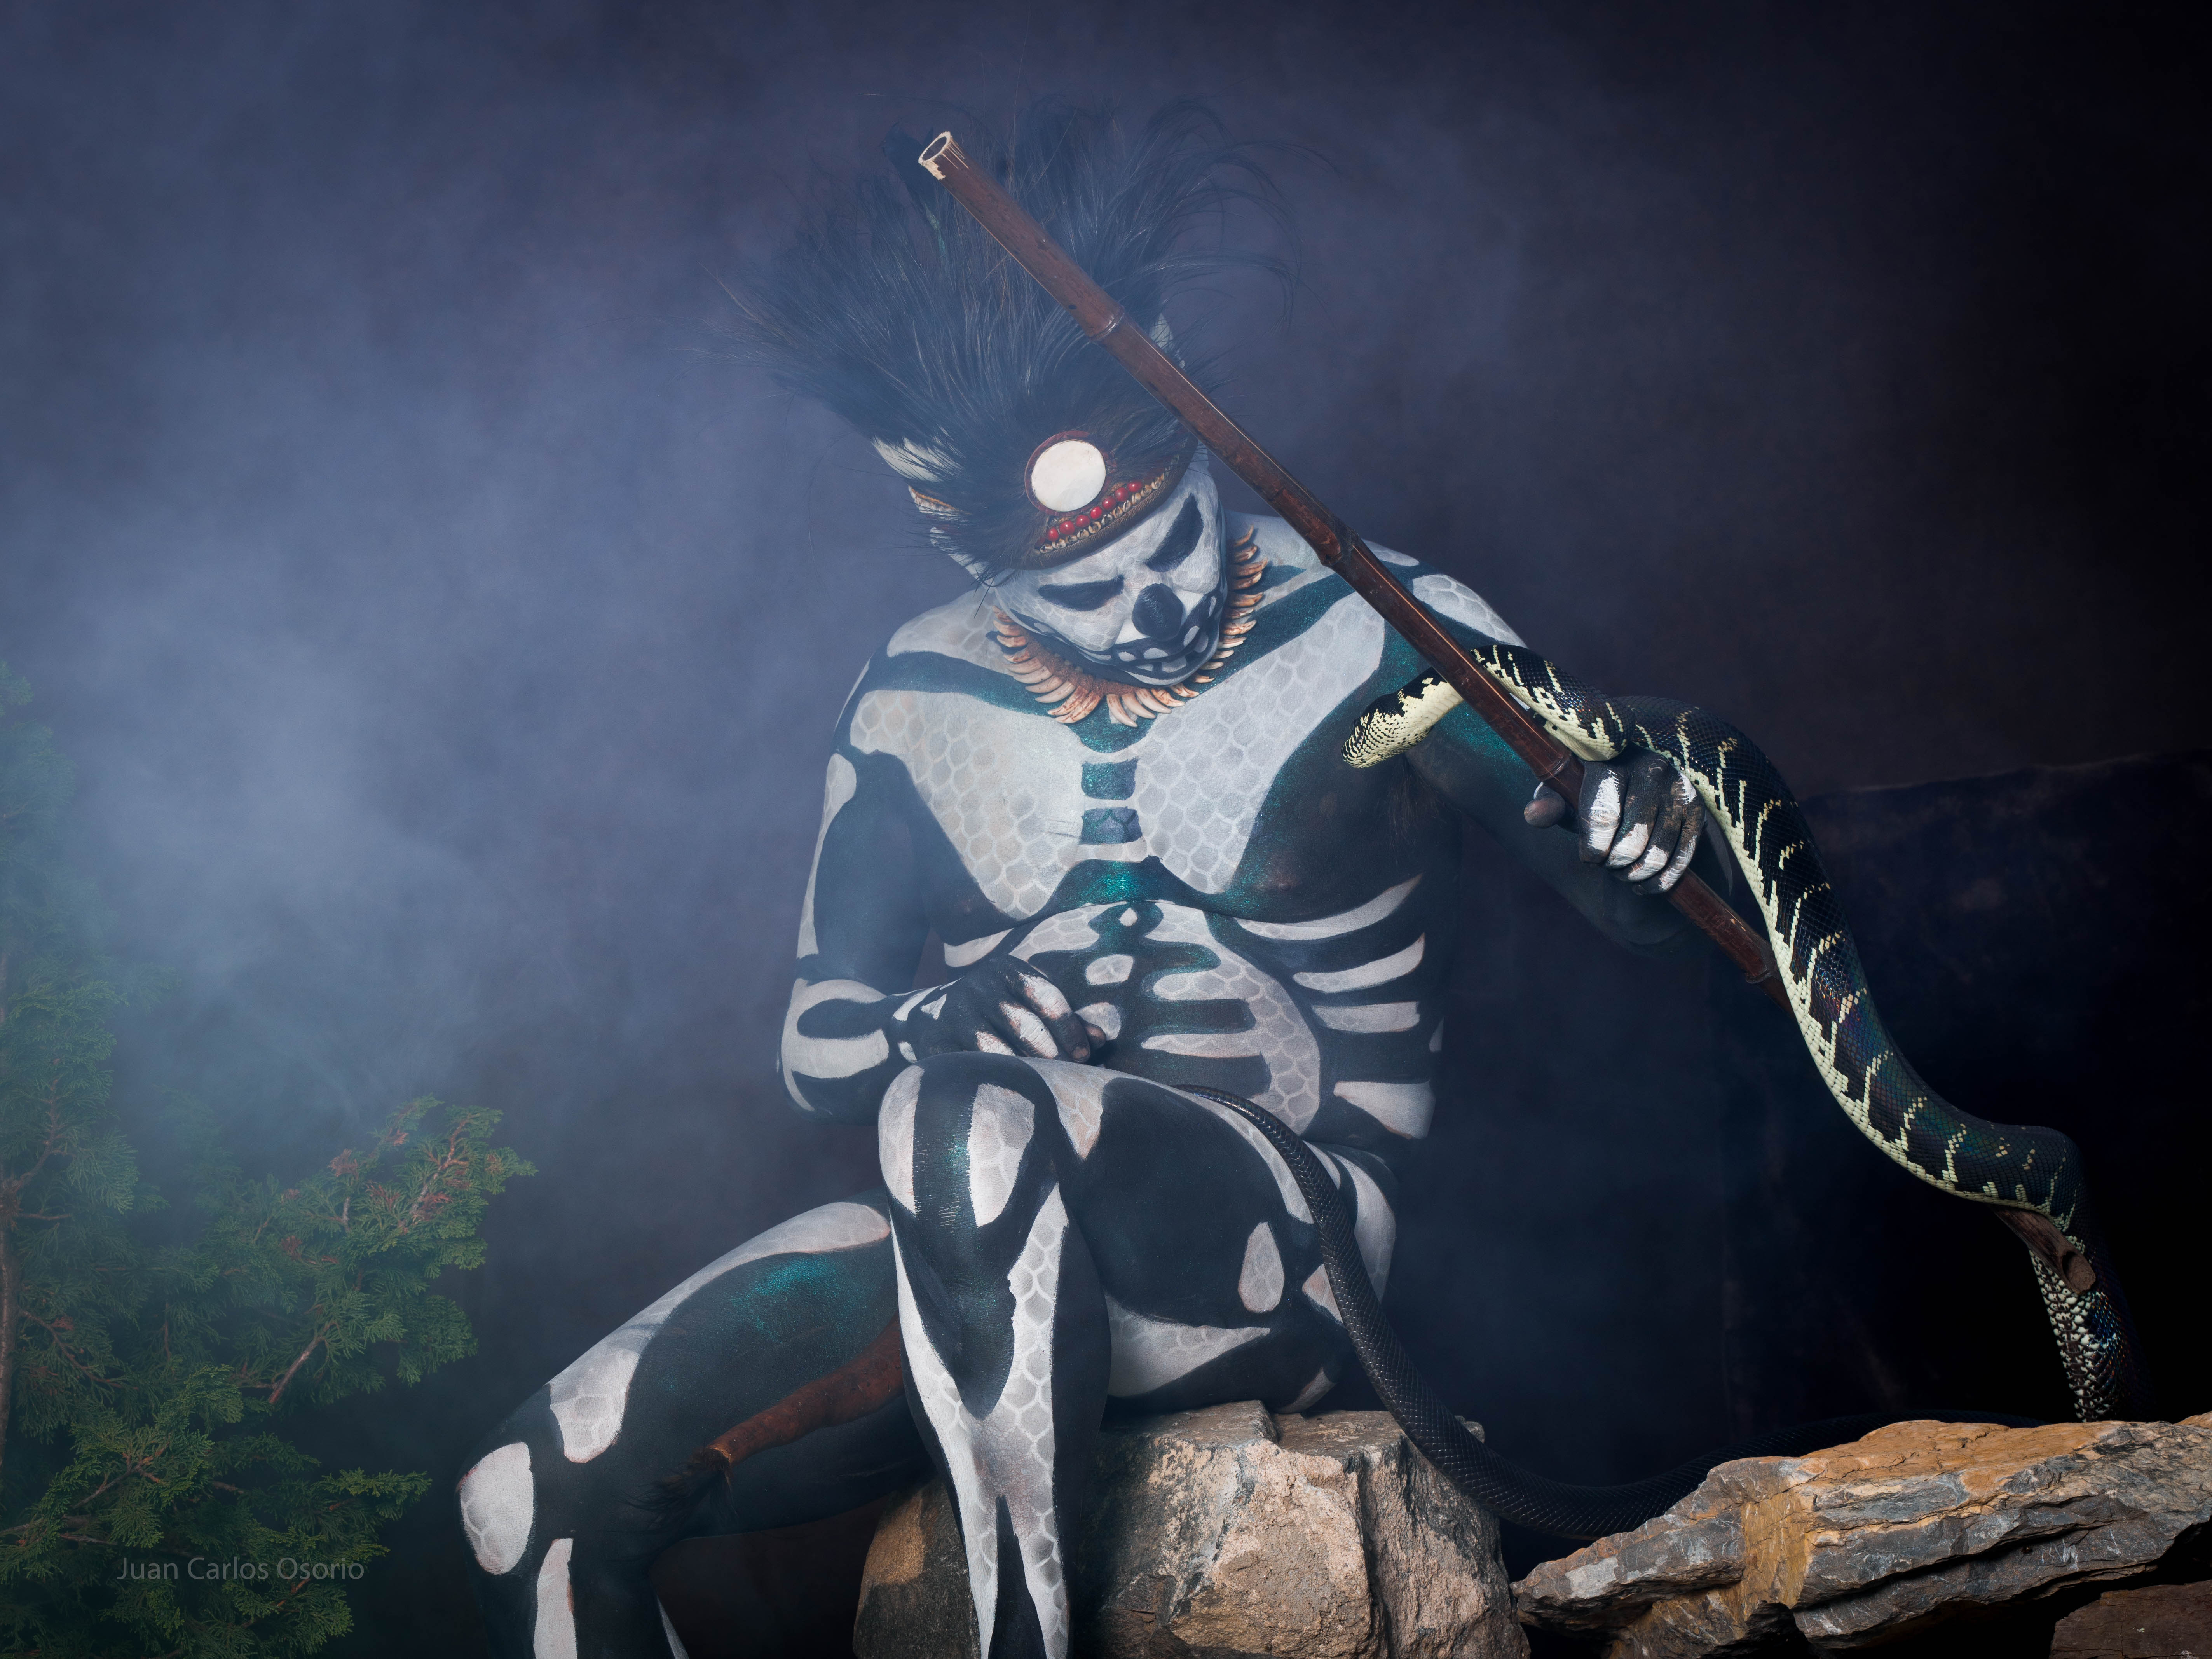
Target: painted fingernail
[
  {"x": 1630, "y": 846},
  {"x": 1045, "y": 996},
  {"x": 1030, "y": 1030}
]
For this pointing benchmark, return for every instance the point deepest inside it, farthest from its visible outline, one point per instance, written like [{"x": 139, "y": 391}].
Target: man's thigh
[
  {"x": 695, "y": 1414},
  {"x": 1209, "y": 1257}
]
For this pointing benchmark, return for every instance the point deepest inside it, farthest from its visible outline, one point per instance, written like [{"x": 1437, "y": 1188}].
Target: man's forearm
[{"x": 843, "y": 1042}]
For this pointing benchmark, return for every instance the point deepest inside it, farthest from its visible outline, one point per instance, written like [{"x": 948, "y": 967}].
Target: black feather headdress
[{"x": 895, "y": 311}]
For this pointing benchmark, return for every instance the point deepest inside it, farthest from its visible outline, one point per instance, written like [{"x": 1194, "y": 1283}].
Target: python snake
[{"x": 2036, "y": 1172}]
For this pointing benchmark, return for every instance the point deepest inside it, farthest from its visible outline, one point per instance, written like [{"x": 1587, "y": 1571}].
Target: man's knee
[
  {"x": 498, "y": 1498},
  {"x": 963, "y": 1124},
  {"x": 554, "y": 1558}
]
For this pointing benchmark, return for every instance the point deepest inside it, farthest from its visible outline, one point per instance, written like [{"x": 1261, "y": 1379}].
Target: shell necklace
[{"x": 1070, "y": 693}]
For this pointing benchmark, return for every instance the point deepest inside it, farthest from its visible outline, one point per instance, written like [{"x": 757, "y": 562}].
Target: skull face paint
[{"x": 1147, "y": 607}]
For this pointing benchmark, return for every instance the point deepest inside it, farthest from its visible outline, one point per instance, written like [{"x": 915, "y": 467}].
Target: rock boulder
[
  {"x": 1227, "y": 1533},
  {"x": 1914, "y": 1526}
]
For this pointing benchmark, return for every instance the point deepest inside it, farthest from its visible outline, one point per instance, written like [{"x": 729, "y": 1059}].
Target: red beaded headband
[{"x": 1065, "y": 538}]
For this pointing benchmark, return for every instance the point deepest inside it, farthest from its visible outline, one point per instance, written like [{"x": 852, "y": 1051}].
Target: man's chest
[{"x": 1242, "y": 780}]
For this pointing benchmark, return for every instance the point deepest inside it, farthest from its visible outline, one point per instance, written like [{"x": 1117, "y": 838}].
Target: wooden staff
[{"x": 1096, "y": 312}]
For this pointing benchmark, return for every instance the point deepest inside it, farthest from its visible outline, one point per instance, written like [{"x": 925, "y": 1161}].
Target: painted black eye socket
[
  {"x": 1082, "y": 596},
  {"x": 1180, "y": 539}
]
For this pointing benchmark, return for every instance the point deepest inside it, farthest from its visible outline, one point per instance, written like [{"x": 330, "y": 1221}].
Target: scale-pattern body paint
[{"x": 1233, "y": 907}]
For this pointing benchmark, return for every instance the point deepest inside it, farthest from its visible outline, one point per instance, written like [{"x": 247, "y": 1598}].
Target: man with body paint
[{"x": 1110, "y": 781}]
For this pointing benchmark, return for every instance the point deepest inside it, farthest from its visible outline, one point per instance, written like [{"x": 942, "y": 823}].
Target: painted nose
[{"x": 1157, "y": 612}]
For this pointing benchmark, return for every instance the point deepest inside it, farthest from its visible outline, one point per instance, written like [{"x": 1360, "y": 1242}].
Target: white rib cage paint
[
  {"x": 999, "y": 781},
  {"x": 1278, "y": 1033},
  {"x": 1347, "y": 922},
  {"x": 1368, "y": 1016},
  {"x": 1368, "y": 975}
]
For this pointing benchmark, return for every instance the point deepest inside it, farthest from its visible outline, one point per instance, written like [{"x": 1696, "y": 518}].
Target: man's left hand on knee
[{"x": 1002, "y": 1005}]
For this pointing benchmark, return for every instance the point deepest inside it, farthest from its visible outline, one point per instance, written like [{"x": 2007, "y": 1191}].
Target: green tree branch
[{"x": 154, "y": 1380}]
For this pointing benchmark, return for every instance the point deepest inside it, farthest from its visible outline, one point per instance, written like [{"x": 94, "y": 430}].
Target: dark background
[{"x": 448, "y": 638}]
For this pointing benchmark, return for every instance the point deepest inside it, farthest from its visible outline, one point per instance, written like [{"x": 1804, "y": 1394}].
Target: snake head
[{"x": 1398, "y": 721}]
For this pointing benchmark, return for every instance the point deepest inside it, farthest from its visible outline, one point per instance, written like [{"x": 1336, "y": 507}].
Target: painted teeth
[{"x": 1070, "y": 695}]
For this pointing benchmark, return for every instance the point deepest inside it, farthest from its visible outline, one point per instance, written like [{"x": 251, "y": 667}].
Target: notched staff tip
[{"x": 940, "y": 153}]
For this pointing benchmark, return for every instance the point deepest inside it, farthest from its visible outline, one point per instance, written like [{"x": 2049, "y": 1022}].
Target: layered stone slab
[{"x": 1914, "y": 1526}]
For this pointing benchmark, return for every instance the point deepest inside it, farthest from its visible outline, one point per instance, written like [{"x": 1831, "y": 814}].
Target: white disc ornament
[{"x": 1066, "y": 474}]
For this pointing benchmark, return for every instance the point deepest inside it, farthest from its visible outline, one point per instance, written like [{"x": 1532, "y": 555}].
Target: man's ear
[{"x": 915, "y": 462}]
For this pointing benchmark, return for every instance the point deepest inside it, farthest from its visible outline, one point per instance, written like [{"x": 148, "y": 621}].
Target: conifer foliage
[{"x": 150, "y": 1503}]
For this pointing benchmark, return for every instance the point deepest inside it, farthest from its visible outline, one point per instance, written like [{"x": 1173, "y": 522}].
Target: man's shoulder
[
  {"x": 1292, "y": 566},
  {"x": 959, "y": 629},
  {"x": 948, "y": 652},
  {"x": 1295, "y": 568}
]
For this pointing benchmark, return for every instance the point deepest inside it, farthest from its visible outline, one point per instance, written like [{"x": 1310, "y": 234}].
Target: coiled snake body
[{"x": 2035, "y": 1171}]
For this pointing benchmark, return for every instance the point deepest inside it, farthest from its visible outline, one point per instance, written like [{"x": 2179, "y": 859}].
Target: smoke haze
[{"x": 448, "y": 640}]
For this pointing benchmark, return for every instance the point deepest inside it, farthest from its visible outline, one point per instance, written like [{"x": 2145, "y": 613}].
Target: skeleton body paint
[
  {"x": 1180, "y": 886},
  {"x": 1253, "y": 925}
]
